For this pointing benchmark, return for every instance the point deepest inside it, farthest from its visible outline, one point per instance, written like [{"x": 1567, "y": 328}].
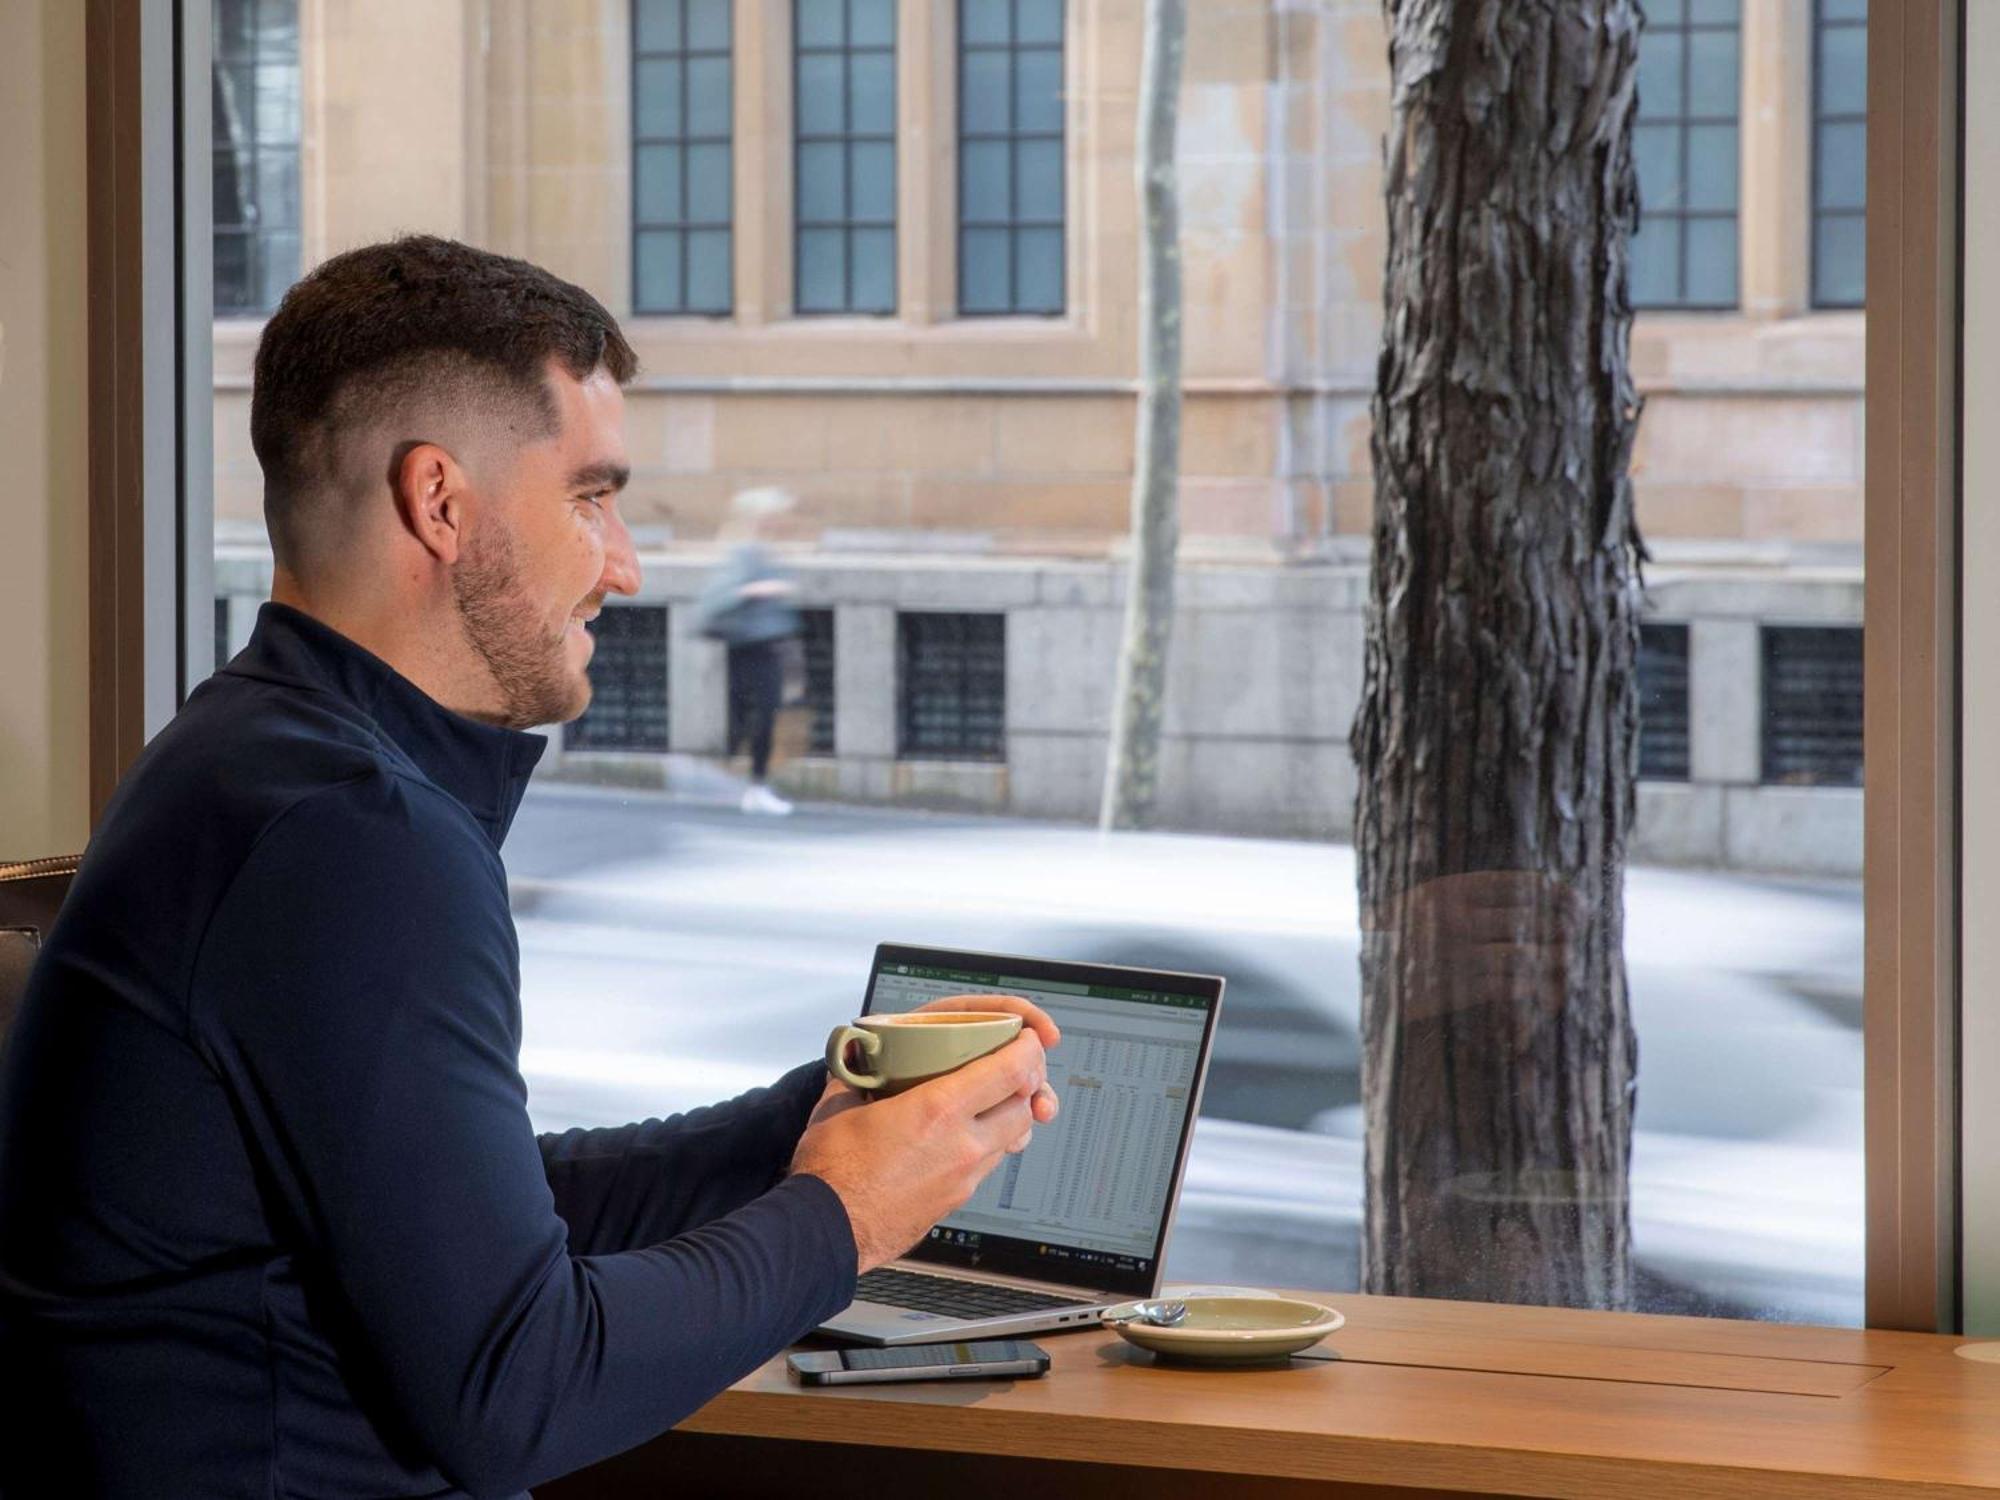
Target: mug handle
[{"x": 836, "y": 1056}]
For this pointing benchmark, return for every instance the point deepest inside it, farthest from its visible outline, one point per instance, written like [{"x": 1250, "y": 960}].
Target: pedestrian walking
[{"x": 749, "y": 606}]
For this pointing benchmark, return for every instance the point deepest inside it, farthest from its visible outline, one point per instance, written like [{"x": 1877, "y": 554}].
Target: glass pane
[
  {"x": 821, "y": 82},
  {"x": 1714, "y": 75},
  {"x": 874, "y": 22},
  {"x": 657, "y": 271},
  {"x": 232, "y": 27},
  {"x": 278, "y": 28},
  {"x": 983, "y": 21},
  {"x": 235, "y": 288},
  {"x": 279, "y": 254},
  {"x": 1716, "y": 12},
  {"x": 871, "y": 93},
  {"x": 278, "y": 189},
  {"x": 1038, "y": 91},
  {"x": 985, "y": 274},
  {"x": 1040, "y": 184},
  {"x": 658, "y": 25},
  {"x": 872, "y": 166},
  {"x": 1843, "y": 10},
  {"x": 708, "y": 271},
  {"x": 1664, "y": 12},
  {"x": 1840, "y": 167},
  {"x": 1038, "y": 270},
  {"x": 1039, "y": 20},
  {"x": 822, "y": 272},
  {"x": 1843, "y": 61},
  {"x": 709, "y": 185},
  {"x": 821, "y": 23},
  {"x": 874, "y": 259},
  {"x": 1839, "y": 265},
  {"x": 1713, "y": 164},
  {"x": 708, "y": 24},
  {"x": 1711, "y": 262},
  {"x": 1660, "y": 56},
  {"x": 820, "y": 179},
  {"x": 983, "y": 194},
  {"x": 708, "y": 96},
  {"x": 656, "y": 88},
  {"x": 1656, "y": 157},
  {"x": 983, "y": 101},
  {"x": 278, "y": 103},
  {"x": 230, "y": 190},
  {"x": 656, "y": 180},
  {"x": 1655, "y": 261}
]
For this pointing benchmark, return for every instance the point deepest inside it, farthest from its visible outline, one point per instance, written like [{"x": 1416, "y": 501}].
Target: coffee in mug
[{"x": 898, "y": 1052}]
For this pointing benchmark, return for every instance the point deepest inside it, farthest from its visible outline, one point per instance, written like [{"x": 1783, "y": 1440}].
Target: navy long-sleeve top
[{"x": 273, "y": 1220}]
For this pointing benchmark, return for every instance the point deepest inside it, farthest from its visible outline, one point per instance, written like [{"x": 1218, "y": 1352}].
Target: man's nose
[{"x": 621, "y": 559}]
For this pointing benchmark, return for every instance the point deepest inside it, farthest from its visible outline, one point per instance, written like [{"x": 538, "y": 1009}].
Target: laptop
[{"x": 1078, "y": 1221}]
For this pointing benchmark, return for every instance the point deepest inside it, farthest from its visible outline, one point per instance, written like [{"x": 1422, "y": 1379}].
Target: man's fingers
[
  {"x": 1001, "y": 1126},
  {"x": 1016, "y": 1068}
]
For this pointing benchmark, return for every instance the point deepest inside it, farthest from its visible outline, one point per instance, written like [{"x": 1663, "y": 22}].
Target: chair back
[{"x": 30, "y": 894}]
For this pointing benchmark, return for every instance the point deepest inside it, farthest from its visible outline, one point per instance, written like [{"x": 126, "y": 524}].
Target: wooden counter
[{"x": 1410, "y": 1398}]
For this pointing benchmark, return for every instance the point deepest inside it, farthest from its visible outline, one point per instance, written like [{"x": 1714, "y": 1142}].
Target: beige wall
[
  {"x": 1020, "y": 430},
  {"x": 44, "y": 707}
]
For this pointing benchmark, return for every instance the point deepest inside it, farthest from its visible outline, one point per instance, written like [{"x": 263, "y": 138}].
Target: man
[{"x": 272, "y": 1217}]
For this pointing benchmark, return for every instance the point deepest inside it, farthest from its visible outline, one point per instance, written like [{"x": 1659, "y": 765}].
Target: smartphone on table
[{"x": 988, "y": 1359}]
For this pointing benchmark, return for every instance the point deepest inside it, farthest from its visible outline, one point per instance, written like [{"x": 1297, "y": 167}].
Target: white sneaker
[{"x": 759, "y": 798}]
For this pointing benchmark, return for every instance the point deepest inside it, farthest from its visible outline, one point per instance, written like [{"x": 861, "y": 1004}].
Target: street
[{"x": 675, "y": 952}]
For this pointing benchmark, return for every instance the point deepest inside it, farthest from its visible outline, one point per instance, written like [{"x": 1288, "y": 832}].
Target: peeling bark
[
  {"x": 1497, "y": 737},
  {"x": 1132, "y": 772}
]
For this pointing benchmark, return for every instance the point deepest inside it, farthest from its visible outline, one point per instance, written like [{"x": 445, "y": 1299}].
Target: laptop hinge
[{"x": 990, "y": 1278}]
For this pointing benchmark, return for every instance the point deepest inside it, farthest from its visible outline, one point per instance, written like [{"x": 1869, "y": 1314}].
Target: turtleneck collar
[{"x": 484, "y": 767}]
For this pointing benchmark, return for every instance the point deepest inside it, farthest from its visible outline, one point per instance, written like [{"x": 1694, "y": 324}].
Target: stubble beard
[{"x": 527, "y": 663}]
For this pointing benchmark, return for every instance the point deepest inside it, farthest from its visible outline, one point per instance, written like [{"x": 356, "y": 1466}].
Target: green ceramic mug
[{"x": 898, "y": 1052}]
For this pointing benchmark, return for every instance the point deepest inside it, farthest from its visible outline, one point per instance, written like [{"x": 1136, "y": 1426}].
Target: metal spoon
[{"x": 1158, "y": 1314}]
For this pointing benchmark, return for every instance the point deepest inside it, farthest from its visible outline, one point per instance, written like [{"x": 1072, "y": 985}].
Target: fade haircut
[{"x": 415, "y": 319}]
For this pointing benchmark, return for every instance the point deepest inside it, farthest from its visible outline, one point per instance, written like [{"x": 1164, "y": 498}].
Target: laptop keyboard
[{"x": 953, "y": 1298}]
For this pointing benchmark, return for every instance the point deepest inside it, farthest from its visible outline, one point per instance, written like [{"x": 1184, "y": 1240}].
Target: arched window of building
[
  {"x": 844, "y": 170},
  {"x": 683, "y": 192},
  {"x": 1685, "y": 147},
  {"x": 1840, "y": 151},
  {"x": 254, "y": 83},
  {"x": 1010, "y": 156}
]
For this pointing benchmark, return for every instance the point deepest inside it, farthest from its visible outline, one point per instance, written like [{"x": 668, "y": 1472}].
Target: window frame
[
  {"x": 1013, "y": 138},
  {"x": 846, "y": 139},
  {"x": 256, "y": 237},
  {"x": 684, "y": 226},
  {"x": 1816, "y": 213},
  {"x": 1684, "y": 122}
]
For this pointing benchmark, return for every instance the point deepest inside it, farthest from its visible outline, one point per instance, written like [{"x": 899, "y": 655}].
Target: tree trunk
[
  {"x": 1497, "y": 737},
  {"x": 1132, "y": 772}
]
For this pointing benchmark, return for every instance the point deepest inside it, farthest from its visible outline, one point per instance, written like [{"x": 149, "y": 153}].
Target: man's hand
[
  {"x": 904, "y": 1162},
  {"x": 1033, "y": 1018}
]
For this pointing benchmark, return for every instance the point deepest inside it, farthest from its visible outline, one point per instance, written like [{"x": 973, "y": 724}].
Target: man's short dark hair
[{"x": 373, "y": 329}]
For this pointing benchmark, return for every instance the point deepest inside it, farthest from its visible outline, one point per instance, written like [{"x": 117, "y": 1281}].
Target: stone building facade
[{"x": 948, "y": 460}]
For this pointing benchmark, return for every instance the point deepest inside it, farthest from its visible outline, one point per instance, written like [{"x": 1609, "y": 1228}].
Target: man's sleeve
[
  {"x": 357, "y": 990},
  {"x": 638, "y": 1184}
]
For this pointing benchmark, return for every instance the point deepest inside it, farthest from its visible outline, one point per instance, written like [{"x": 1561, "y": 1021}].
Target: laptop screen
[{"x": 1090, "y": 1200}]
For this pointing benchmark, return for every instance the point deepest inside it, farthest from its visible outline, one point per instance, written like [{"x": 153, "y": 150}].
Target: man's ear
[{"x": 430, "y": 492}]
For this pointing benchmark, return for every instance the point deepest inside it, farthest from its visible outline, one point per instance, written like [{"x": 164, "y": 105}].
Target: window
[
  {"x": 1010, "y": 156},
  {"x": 1684, "y": 147},
  {"x": 844, "y": 189},
  {"x": 818, "y": 640},
  {"x": 221, "y": 633},
  {"x": 682, "y": 179},
  {"x": 254, "y": 96},
  {"x": 628, "y": 676},
  {"x": 1663, "y": 702},
  {"x": 1812, "y": 705},
  {"x": 1840, "y": 152},
  {"x": 951, "y": 684}
]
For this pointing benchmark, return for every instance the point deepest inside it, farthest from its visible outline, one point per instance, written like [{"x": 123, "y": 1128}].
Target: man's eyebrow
[{"x": 599, "y": 476}]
